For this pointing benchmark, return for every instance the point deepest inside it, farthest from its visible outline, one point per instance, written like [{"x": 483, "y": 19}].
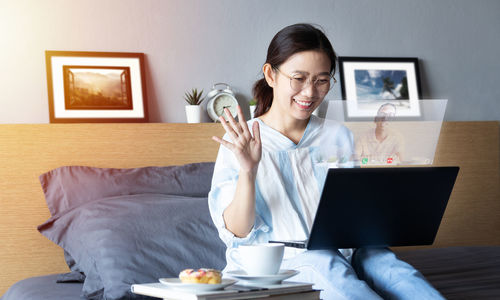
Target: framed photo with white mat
[
  {"x": 369, "y": 82},
  {"x": 96, "y": 87}
]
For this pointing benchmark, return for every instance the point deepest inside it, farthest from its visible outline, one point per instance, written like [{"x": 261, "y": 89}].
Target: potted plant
[
  {"x": 193, "y": 110},
  {"x": 252, "y": 105}
]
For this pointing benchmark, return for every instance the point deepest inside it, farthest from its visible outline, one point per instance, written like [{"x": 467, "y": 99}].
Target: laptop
[{"x": 380, "y": 207}]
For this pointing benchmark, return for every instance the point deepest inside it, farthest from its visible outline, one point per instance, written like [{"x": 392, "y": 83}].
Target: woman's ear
[{"x": 269, "y": 74}]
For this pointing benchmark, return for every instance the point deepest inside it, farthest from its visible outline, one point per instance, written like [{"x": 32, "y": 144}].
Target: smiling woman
[
  {"x": 267, "y": 181},
  {"x": 300, "y": 93},
  {"x": 281, "y": 48}
]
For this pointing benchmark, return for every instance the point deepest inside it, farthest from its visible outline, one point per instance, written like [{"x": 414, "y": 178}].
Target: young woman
[{"x": 270, "y": 171}]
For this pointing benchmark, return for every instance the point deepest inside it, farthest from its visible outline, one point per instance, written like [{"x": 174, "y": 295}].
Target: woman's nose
[{"x": 309, "y": 90}]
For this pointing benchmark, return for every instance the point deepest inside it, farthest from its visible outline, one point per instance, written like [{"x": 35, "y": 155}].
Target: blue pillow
[{"x": 122, "y": 240}]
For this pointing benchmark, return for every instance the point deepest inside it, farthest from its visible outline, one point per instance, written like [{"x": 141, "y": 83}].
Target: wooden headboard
[{"x": 28, "y": 150}]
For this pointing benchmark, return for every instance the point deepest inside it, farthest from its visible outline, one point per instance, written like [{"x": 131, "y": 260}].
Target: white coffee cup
[{"x": 258, "y": 259}]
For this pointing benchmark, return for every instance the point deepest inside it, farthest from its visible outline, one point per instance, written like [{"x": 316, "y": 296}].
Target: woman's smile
[{"x": 303, "y": 104}]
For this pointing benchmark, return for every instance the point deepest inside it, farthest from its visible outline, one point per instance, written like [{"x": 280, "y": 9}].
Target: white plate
[
  {"x": 265, "y": 279},
  {"x": 177, "y": 284}
]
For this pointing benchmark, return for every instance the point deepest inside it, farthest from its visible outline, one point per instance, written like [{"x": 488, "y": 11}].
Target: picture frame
[
  {"x": 96, "y": 87},
  {"x": 369, "y": 82}
]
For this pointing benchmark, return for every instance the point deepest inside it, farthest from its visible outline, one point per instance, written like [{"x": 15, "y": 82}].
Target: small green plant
[
  {"x": 253, "y": 102},
  {"x": 194, "y": 98}
]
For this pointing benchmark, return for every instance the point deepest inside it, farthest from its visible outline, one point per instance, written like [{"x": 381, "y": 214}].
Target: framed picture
[
  {"x": 367, "y": 83},
  {"x": 96, "y": 87}
]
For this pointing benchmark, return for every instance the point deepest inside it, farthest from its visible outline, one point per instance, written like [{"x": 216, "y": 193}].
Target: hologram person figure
[{"x": 382, "y": 144}]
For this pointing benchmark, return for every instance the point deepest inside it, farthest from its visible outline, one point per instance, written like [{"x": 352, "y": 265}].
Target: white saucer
[
  {"x": 176, "y": 283},
  {"x": 264, "y": 279}
]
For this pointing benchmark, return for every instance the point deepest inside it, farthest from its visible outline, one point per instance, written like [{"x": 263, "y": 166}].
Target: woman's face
[{"x": 307, "y": 65}]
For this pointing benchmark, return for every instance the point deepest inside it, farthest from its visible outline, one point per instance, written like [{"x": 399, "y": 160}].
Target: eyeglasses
[{"x": 298, "y": 82}]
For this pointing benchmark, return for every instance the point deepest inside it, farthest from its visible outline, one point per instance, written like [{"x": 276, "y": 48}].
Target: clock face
[{"x": 225, "y": 101}]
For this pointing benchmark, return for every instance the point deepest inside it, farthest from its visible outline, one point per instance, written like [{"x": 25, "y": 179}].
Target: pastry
[{"x": 210, "y": 276}]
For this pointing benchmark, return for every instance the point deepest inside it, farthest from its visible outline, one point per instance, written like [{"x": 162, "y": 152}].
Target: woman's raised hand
[{"x": 246, "y": 148}]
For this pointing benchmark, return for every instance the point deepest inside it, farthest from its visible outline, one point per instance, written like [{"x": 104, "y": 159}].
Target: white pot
[
  {"x": 193, "y": 113},
  {"x": 252, "y": 111}
]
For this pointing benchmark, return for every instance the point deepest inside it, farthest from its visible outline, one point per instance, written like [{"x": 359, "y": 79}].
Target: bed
[{"x": 463, "y": 263}]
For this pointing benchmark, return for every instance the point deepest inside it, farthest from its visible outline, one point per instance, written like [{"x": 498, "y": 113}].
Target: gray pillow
[
  {"x": 119, "y": 241},
  {"x": 70, "y": 186}
]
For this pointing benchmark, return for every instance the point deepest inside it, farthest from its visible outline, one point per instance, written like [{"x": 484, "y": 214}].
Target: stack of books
[{"x": 287, "y": 290}]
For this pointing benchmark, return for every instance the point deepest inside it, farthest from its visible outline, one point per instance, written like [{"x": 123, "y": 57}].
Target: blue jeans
[{"x": 375, "y": 273}]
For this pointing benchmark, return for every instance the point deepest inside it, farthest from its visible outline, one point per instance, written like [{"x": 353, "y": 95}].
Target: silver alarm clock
[{"x": 218, "y": 99}]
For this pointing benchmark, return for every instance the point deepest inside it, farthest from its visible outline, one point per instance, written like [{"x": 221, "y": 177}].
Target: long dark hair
[{"x": 288, "y": 41}]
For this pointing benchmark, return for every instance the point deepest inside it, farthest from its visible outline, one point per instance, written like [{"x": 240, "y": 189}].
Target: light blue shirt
[{"x": 288, "y": 185}]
